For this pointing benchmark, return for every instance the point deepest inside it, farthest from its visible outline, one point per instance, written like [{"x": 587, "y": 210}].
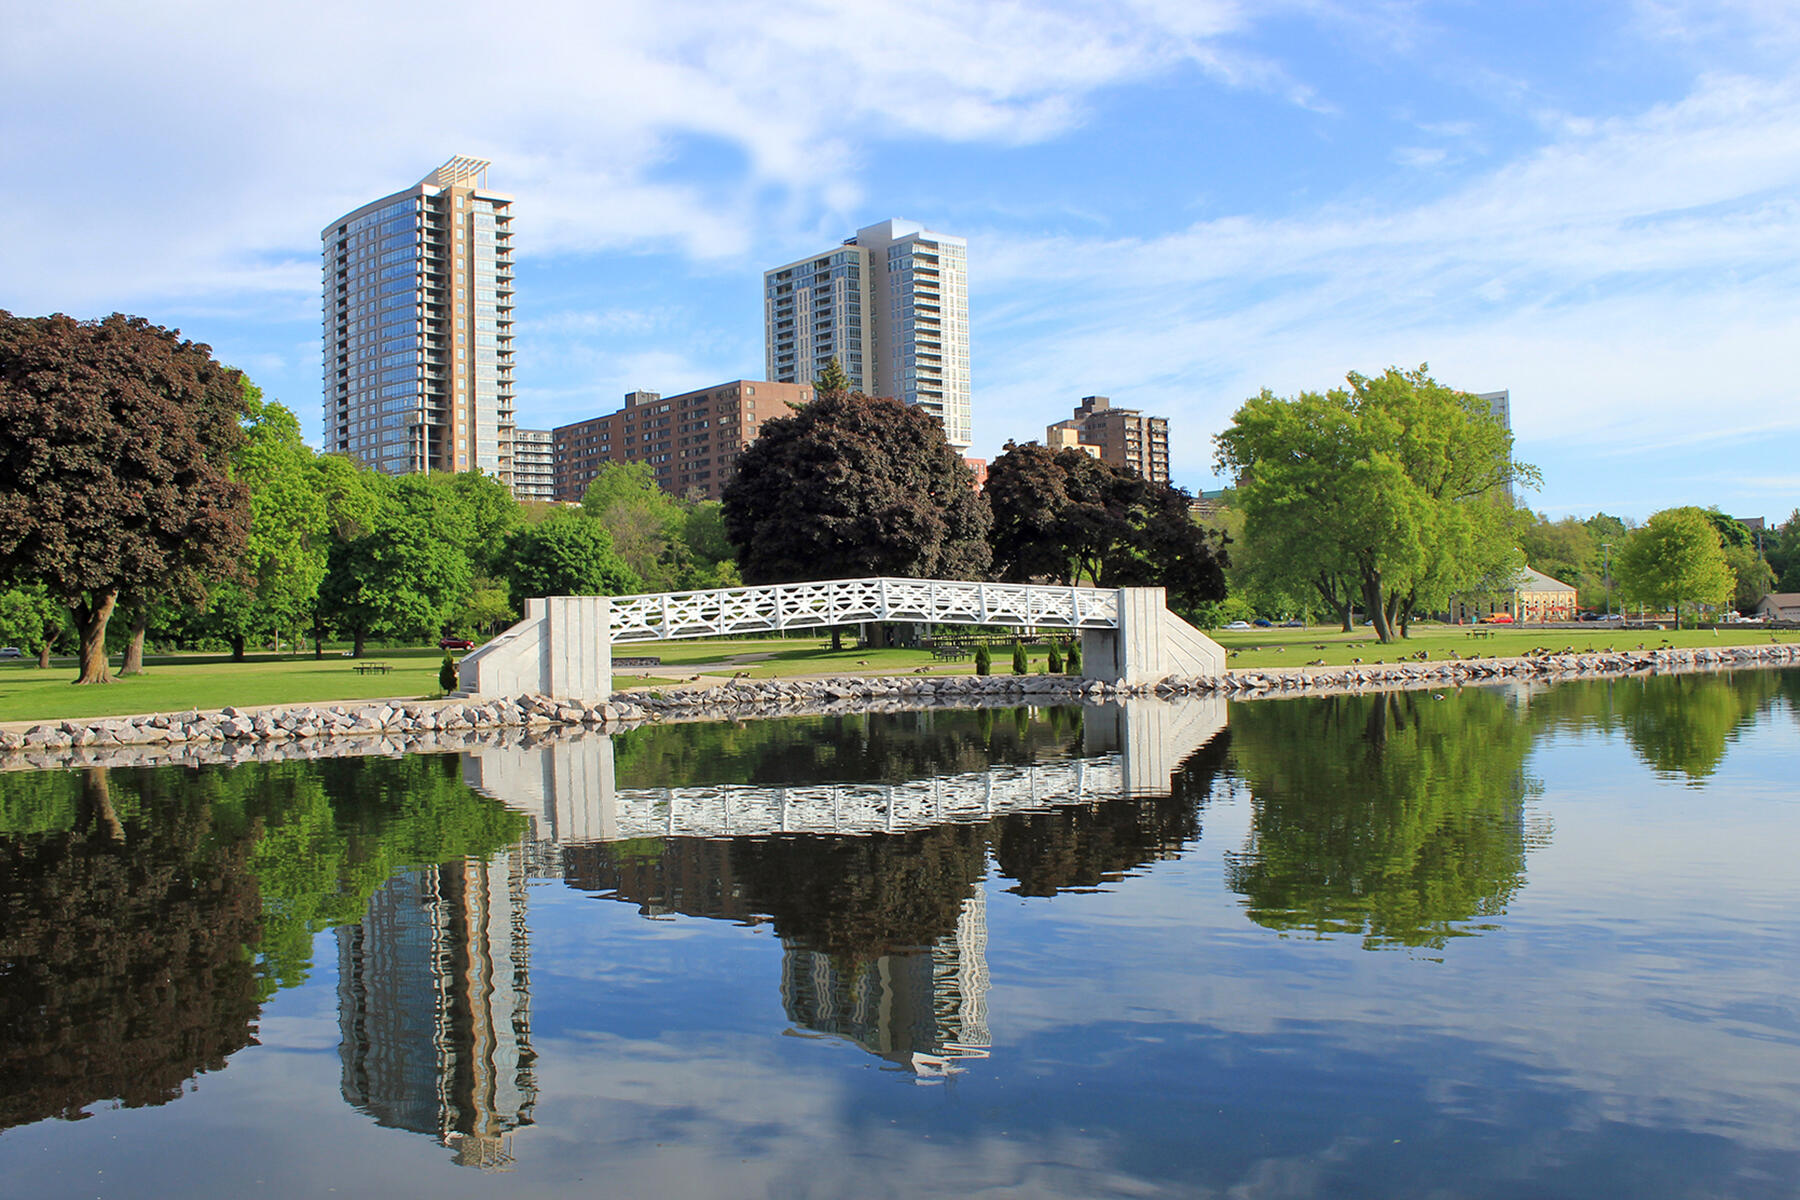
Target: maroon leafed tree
[{"x": 115, "y": 445}]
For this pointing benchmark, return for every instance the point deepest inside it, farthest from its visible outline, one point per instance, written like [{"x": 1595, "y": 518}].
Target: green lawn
[
  {"x": 176, "y": 683},
  {"x": 1300, "y": 647}
]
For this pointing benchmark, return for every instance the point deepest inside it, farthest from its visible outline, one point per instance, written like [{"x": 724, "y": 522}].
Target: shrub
[
  {"x": 1074, "y": 664},
  {"x": 1021, "y": 665},
  {"x": 984, "y": 662},
  {"x": 447, "y": 674},
  {"x": 1056, "y": 660}
]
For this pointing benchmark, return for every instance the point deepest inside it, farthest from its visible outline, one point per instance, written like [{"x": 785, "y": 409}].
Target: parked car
[
  {"x": 1263, "y": 623},
  {"x": 455, "y": 643},
  {"x": 10, "y": 652},
  {"x": 1497, "y": 619},
  {"x": 1240, "y": 625},
  {"x": 1293, "y": 623}
]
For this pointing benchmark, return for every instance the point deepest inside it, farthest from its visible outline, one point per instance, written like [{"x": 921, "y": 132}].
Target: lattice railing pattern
[
  {"x": 662, "y": 616},
  {"x": 734, "y": 810}
]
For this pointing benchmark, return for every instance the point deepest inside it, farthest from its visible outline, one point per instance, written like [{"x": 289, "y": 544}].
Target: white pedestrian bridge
[{"x": 563, "y": 647}]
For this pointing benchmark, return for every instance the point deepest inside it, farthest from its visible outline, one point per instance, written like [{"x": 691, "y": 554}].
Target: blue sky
[{"x": 1171, "y": 202}]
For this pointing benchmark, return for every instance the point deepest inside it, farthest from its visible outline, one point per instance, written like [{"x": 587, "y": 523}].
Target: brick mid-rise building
[
  {"x": 1120, "y": 437},
  {"x": 690, "y": 441}
]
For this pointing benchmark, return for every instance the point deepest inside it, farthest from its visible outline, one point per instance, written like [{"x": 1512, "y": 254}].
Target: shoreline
[{"x": 274, "y": 733}]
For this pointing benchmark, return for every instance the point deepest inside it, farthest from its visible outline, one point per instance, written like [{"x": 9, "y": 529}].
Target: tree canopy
[
  {"x": 1675, "y": 558},
  {"x": 1388, "y": 491},
  {"x": 116, "y": 444},
  {"x": 851, "y": 486},
  {"x": 1065, "y": 516},
  {"x": 568, "y": 554}
]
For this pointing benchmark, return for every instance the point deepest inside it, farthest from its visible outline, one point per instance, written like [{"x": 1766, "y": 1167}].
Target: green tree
[
  {"x": 32, "y": 619},
  {"x": 566, "y": 555},
  {"x": 116, "y": 440},
  {"x": 401, "y": 579},
  {"x": 1675, "y": 558},
  {"x": 644, "y": 522},
  {"x": 1391, "y": 485},
  {"x": 832, "y": 379},
  {"x": 850, "y": 486},
  {"x": 1782, "y": 546}
]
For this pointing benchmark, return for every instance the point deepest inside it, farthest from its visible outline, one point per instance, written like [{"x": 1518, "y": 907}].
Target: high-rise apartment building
[
  {"x": 418, "y": 361},
  {"x": 1120, "y": 437},
  {"x": 1500, "y": 405},
  {"x": 691, "y": 441},
  {"x": 892, "y": 306}
]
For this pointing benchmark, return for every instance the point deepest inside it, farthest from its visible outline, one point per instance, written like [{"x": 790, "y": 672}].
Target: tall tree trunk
[
  {"x": 318, "y": 638},
  {"x": 356, "y": 645},
  {"x": 44, "y": 657},
  {"x": 237, "y": 647},
  {"x": 1376, "y": 608},
  {"x": 90, "y": 626},
  {"x": 97, "y": 805},
  {"x": 134, "y": 649}
]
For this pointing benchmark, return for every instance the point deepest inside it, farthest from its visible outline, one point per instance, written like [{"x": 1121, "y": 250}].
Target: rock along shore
[{"x": 399, "y": 726}]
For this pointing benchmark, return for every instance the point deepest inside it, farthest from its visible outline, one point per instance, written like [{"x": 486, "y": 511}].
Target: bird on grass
[
  {"x": 862, "y": 662},
  {"x": 1317, "y": 662}
]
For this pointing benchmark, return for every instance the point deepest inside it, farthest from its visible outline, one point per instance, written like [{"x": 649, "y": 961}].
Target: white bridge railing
[{"x": 665, "y": 615}]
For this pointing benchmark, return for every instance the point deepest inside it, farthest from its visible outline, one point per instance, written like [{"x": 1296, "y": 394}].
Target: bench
[
  {"x": 372, "y": 668},
  {"x": 1481, "y": 633},
  {"x": 641, "y": 660},
  {"x": 951, "y": 653}
]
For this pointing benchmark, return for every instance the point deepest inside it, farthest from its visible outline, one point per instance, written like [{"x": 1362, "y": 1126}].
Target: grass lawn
[
  {"x": 1300, "y": 647},
  {"x": 176, "y": 683}
]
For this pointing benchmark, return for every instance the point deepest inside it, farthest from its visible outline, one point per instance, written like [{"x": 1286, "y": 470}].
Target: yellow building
[{"x": 1534, "y": 598}]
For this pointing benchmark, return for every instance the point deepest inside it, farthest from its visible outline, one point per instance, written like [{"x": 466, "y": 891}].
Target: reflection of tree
[
  {"x": 144, "y": 914},
  {"x": 1397, "y": 817},
  {"x": 852, "y": 898},
  {"x": 1678, "y": 724},
  {"x": 1087, "y": 845},
  {"x": 124, "y": 949}
]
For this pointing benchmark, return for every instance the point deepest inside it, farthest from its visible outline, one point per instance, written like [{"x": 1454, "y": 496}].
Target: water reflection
[
  {"x": 149, "y": 914},
  {"x": 1396, "y": 818},
  {"x": 434, "y": 1006}
]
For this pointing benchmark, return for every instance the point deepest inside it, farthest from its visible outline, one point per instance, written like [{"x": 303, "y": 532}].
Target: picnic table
[
  {"x": 372, "y": 668},
  {"x": 1481, "y": 633}
]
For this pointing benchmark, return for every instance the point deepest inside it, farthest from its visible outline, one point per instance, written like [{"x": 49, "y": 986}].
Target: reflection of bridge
[
  {"x": 569, "y": 788},
  {"x": 563, "y": 647}
]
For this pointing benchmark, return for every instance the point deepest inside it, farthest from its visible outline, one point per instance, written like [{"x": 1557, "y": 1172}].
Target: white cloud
[
  {"x": 1626, "y": 280},
  {"x": 171, "y": 163}
]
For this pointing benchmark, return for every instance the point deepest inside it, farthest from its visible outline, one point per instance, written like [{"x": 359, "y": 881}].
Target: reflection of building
[
  {"x": 921, "y": 1009},
  {"x": 1119, "y": 437},
  {"x": 434, "y": 1006}
]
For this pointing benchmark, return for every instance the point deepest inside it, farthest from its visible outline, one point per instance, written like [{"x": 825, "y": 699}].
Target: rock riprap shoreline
[{"x": 396, "y": 726}]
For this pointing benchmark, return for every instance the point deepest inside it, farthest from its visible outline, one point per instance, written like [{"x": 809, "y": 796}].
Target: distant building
[
  {"x": 690, "y": 441},
  {"x": 1500, "y": 404},
  {"x": 534, "y": 464},
  {"x": 1534, "y": 598},
  {"x": 1119, "y": 437},
  {"x": 1779, "y": 606},
  {"x": 418, "y": 321},
  {"x": 892, "y": 306},
  {"x": 978, "y": 466}
]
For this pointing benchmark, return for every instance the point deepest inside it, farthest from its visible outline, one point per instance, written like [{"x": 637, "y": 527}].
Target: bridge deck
[{"x": 663, "y": 616}]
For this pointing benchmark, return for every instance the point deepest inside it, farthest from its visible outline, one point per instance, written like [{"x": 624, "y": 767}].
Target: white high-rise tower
[{"x": 892, "y": 306}]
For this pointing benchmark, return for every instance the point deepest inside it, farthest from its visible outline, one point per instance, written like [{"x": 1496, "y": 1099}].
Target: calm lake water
[{"x": 1489, "y": 943}]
